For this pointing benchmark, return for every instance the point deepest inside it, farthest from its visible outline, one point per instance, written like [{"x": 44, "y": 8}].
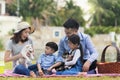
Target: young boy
[{"x": 47, "y": 61}]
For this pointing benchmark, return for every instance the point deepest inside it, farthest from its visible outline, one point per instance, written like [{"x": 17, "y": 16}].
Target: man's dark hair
[
  {"x": 71, "y": 23},
  {"x": 52, "y": 45}
]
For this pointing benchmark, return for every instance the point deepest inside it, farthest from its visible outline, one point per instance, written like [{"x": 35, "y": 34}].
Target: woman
[{"x": 15, "y": 46}]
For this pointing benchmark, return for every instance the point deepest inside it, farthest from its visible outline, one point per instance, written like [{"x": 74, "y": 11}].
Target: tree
[
  {"x": 46, "y": 13},
  {"x": 11, "y": 9},
  {"x": 33, "y": 9},
  {"x": 105, "y": 12},
  {"x": 69, "y": 11}
]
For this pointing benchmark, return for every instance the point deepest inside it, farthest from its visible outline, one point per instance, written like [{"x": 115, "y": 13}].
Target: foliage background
[{"x": 104, "y": 14}]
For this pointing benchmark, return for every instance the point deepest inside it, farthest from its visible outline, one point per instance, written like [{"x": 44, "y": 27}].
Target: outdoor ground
[
  {"x": 67, "y": 78},
  {"x": 8, "y": 66}
]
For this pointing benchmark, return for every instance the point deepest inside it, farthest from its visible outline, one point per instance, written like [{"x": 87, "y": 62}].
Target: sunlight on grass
[{"x": 8, "y": 65}]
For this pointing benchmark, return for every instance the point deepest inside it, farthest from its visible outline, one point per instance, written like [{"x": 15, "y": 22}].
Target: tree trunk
[{"x": 115, "y": 21}]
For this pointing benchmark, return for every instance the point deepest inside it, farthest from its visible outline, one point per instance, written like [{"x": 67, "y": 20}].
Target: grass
[{"x": 9, "y": 66}]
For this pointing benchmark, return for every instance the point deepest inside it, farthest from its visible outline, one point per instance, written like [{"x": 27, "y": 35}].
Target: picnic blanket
[{"x": 9, "y": 73}]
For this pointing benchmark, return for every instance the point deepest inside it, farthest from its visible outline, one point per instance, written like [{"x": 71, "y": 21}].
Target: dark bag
[{"x": 109, "y": 67}]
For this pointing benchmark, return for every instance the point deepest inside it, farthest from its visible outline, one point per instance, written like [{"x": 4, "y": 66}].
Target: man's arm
[
  {"x": 93, "y": 54},
  {"x": 61, "y": 49},
  {"x": 92, "y": 50}
]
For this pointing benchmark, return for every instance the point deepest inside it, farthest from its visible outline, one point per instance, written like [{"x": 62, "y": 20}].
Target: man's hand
[{"x": 86, "y": 66}]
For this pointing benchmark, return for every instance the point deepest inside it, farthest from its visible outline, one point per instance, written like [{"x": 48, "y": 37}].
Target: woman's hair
[
  {"x": 75, "y": 39},
  {"x": 52, "y": 45},
  {"x": 17, "y": 37}
]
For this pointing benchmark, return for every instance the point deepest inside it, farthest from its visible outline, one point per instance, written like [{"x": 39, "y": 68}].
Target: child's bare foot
[
  {"x": 32, "y": 74},
  {"x": 82, "y": 73}
]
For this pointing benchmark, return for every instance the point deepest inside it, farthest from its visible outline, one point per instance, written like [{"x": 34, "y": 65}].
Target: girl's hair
[
  {"x": 17, "y": 37},
  {"x": 75, "y": 39}
]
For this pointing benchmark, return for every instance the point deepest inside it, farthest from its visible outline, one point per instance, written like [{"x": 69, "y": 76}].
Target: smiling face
[
  {"x": 25, "y": 33},
  {"x": 70, "y": 31},
  {"x": 72, "y": 46}
]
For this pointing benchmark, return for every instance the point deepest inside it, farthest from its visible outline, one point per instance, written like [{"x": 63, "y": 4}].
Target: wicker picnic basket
[{"x": 109, "y": 67}]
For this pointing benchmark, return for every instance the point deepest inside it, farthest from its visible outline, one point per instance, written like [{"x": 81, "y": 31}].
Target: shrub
[
  {"x": 11, "y": 32},
  {"x": 101, "y": 30},
  {"x": 1, "y": 45}
]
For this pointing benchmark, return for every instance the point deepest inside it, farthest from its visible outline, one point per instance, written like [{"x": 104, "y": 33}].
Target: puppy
[
  {"x": 67, "y": 57},
  {"x": 25, "y": 60}
]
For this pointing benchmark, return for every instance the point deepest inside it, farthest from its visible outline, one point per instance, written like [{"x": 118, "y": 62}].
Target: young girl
[
  {"x": 16, "y": 44},
  {"x": 75, "y": 57}
]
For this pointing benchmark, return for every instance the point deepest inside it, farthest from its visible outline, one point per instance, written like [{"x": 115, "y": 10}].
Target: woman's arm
[
  {"x": 75, "y": 58},
  {"x": 8, "y": 57},
  {"x": 8, "y": 51}
]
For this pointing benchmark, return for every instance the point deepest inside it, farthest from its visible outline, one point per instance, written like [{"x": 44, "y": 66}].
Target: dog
[
  {"x": 67, "y": 57},
  {"x": 25, "y": 60}
]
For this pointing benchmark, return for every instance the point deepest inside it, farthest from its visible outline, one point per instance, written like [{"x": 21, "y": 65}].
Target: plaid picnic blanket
[{"x": 9, "y": 73}]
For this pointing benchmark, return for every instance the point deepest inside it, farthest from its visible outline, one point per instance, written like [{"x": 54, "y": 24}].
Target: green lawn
[
  {"x": 8, "y": 66},
  {"x": 66, "y": 78}
]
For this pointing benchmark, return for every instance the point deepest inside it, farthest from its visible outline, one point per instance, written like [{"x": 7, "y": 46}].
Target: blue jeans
[
  {"x": 21, "y": 69},
  {"x": 73, "y": 70},
  {"x": 35, "y": 69},
  {"x": 91, "y": 72}
]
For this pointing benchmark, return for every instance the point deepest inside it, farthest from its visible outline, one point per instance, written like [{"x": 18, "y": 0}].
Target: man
[{"x": 90, "y": 54}]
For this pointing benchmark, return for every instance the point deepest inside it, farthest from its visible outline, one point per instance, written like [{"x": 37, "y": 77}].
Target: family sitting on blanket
[
  {"x": 82, "y": 53},
  {"x": 49, "y": 61}
]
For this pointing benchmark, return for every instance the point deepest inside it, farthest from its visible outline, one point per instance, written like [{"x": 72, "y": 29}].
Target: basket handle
[{"x": 103, "y": 53}]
